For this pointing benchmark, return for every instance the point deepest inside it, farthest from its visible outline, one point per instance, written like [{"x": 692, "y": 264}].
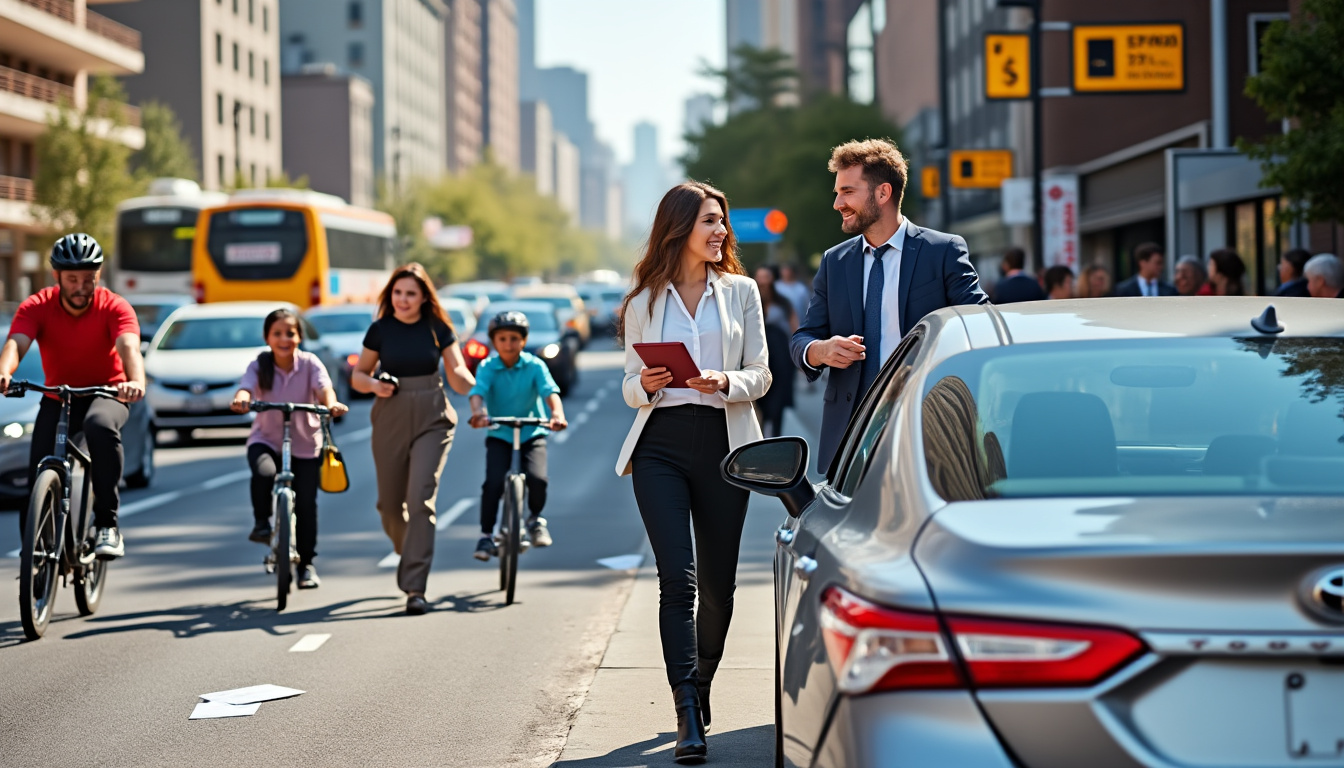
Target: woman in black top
[{"x": 412, "y": 420}]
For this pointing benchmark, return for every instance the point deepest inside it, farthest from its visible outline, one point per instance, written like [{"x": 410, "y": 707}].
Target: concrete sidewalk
[{"x": 627, "y": 719}]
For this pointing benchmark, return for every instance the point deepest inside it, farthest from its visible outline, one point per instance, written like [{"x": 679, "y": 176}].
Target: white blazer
[{"x": 745, "y": 360}]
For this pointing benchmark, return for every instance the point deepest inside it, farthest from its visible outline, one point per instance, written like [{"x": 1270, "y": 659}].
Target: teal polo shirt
[{"x": 519, "y": 392}]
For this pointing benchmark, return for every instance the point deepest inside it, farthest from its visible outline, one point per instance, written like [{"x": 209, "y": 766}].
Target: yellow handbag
[{"x": 333, "y": 478}]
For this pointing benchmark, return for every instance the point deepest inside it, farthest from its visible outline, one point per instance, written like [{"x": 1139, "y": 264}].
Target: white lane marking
[
  {"x": 223, "y": 480},
  {"x": 15, "y": 553},
  {"x": 592, "y": 405},
  {"x": 622, "y": 562},
  {"x": 391, "y": 561},
  {"x": 561, "y": 438},
  {"x": 144, "y": 505},
  {"x": 309, "y": 643},
  {"x": 357, "y": 435},
  {"x": 454, "y": 512}
]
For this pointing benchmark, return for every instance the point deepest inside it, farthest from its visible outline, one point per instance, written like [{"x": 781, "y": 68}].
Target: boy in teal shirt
[{"x": 513, "y": 384}]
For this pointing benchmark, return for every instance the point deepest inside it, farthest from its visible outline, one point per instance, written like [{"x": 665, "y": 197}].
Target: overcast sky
[{"x": 641, "y": 57}]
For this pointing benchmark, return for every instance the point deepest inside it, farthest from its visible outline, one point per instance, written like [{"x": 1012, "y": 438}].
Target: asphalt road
[{"x": 189, "y": 610}]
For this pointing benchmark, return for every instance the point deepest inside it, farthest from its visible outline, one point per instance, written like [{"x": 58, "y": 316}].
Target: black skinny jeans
[
  {"x": 101, "y": 421},
  {"x": 265, "y": 462},
  {"x": 498, "y": 464},
  {"x": 678, "y": 486}
]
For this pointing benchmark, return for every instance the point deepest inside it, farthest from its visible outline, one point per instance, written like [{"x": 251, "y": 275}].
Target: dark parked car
[
  {"x": 16, "y": 431},
  {"x": 547, "y": 339},
  {"x": 1072, "y": 533}
]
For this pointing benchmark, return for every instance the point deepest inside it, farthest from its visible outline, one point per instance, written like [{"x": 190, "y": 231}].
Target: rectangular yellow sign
[
  {"x": 930, "y": 181},
  {"x": 979, "y": 168},
  {"x": 1116, "y": 58},
  {"x": 1007, "y": 65}
]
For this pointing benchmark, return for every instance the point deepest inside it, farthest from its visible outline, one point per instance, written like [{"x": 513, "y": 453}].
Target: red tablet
[{"x": 671, "y": 355}]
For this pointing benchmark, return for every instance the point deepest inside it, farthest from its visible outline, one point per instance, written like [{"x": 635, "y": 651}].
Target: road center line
[
  {"x": 153, "y": 502},
  {"x": 223, "y": 480},
  {"x": 309, "y": 643},
  {"x": 454, "y": 512},
  {"x": 391, "y": 561}
]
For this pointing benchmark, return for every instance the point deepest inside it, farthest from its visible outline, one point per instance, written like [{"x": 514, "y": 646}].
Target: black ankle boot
[
  {"x": 691, "y": 746},
  {"x": 704, "y": 677}
]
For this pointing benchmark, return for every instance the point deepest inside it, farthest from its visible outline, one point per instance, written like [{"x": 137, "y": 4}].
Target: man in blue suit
[{"x": 873, "y": 288}]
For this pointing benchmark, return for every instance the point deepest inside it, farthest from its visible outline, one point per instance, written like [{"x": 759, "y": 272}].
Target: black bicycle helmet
[
  {"x": 512, "y": 320},
  {"x": 77, "y": 251}
]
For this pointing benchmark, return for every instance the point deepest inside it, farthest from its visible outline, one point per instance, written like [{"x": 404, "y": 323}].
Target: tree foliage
[
  {"x": 755, "y": 77},
  {"x": 1302, "y": 80},
  {"x": 775, "y": 157},
  {"x": 167, "y": 153},
  {"x": 82, "y": 167}
]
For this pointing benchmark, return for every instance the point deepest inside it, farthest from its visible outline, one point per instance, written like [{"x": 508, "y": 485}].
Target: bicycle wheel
[
  {"x": 513, "y": 506},
  {"x": 284, "y": 526},
  {"x": 40, "y": 557},
  {"x": 89, "y": 587}
]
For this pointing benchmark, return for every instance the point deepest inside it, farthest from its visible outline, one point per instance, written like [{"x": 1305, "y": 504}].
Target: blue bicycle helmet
[{"x": 77, "y": 251}]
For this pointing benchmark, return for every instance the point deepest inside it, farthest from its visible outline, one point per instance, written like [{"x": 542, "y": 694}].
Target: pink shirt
[{"x": 301, "y": 385}]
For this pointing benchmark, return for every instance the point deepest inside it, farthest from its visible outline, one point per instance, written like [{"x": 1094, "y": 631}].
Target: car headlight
[
  {"x": 550, "y": 351},
  {"x": 14, "y": 430}
]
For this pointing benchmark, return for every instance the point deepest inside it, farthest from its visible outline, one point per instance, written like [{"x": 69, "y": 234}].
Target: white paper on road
[
  {"x": 622, "y": 562},
  {"x": 210, "y": 710},
  {"x": 252, "y": 694}
]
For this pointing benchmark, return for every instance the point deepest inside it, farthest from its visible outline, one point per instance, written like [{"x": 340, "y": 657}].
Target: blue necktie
[{"x": 872, "y": 322}]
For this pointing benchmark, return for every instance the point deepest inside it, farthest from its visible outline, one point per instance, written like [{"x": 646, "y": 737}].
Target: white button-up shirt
[
  {"x": 891, "y": 276},
  {"x": 1147, "y": 287},
  {"x": 703, "y": 336}
]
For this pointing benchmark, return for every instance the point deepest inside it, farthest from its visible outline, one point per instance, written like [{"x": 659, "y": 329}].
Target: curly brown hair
[{"x": 882, "y": 163}]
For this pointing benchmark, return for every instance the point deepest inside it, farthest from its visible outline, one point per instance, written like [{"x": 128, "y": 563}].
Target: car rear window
[
  {"x": 1138, "y": 418},
  {"x": 213, "y": 333},
  {"x": 341, "y": 322},
  {"x": 537, "y": 318}
]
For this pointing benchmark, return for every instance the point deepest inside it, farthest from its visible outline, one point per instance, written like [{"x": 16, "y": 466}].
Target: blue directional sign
[{"x": 758, "y": 225}]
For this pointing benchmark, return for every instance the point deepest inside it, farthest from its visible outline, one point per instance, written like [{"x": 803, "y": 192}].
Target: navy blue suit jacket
[
  {"x": 1019, "y": 287},
  {"x": 936, "y": 272},
  {"x": 1296, "y": 287}
]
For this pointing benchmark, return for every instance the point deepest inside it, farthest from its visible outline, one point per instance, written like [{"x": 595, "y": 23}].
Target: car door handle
[
  {"x": 784, "y": 536},
  {"x": 804, "y": 567}
]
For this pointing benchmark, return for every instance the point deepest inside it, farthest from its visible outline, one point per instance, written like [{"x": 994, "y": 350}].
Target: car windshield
[
  {"x": 458, "y": 317},
  {"x": 539, "y": 319},
  {"x": 1138, "y": 418},
  {"x": 341, "y": 322},
  {"x": 213, "y": 333},
  {"x": 559, "y": 302}
]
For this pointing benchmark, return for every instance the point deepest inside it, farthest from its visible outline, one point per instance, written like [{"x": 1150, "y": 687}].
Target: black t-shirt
[{"x": 409, "y": 349}]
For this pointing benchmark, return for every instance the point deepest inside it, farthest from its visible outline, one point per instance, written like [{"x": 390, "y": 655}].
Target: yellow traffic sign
[
  {"x": 979, "y": 168},
  {"x": 930, "y": 181},
  {"x": 1007, "y": 65},
  {"x": 1119, "y": 58}
]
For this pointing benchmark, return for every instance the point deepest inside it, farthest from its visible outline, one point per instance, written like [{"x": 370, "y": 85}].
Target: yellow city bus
[{"x": 303, "y": 247}]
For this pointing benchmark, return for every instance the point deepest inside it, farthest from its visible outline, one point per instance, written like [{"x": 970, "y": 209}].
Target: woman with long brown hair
[
  {"x": 413, "y": 422},
  {"x": 690, "y": 287}
]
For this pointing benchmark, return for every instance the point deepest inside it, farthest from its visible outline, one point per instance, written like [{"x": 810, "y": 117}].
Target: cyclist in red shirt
[{"x": 89, "y": 337}]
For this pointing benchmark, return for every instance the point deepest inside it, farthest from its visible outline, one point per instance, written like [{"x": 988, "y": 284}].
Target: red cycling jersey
[{"x": 77, "y": 351}]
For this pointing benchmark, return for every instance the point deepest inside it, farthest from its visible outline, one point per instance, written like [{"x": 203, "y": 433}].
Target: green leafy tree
[
  {"x": 1302, "y": 80},
  {"x": 167, "y": 153},
  {"x": 82, "y": 167},
  {"x": 755, "y": 77}
]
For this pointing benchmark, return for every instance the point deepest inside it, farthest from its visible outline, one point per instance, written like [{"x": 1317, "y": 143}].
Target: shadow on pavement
[{"x": 745, "y": 747}]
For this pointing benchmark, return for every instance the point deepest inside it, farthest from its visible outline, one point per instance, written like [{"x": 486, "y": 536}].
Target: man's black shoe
[
  {"x": 416, "y": 605},
  {"x": 261, "y": 533}
]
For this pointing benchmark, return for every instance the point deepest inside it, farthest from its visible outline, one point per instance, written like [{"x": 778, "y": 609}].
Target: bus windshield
[
  {"x": 257, "y": 243},
  {"x": 155, "y": 239}
]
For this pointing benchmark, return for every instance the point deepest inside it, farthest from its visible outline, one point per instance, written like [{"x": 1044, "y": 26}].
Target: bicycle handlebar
[
  {"x": 258, "y": 406},
  {"x": 509, "y": 421},
  {"x": 18, "y": 388}
]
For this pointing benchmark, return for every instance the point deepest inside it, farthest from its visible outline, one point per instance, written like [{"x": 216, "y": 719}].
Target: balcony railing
[
  {"x": 35, "y": 87},
  {"x": 96, "y": 23},
  {"x": 15, "y": 188}
]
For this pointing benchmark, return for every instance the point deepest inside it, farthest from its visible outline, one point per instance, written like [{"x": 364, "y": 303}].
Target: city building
[
  {"x": 48, "y": 52},
  {"x": 645, "y": 180},
  {"x": 464, "y": 84},
  {"x": 567, "y": 174},
  {"x": 764, "y": 24},
  {"x": 499, "y": 81},
  {"x": 328, "y": 138},
  {"x": 217, "y": 65},
  {"x": 537, "y": 142},
  {"x": 822, "y": 56},
  {"x": 698, "y": 112},
  {"x": 528, "y": 87},
  {"x": 398, "y": 46}
]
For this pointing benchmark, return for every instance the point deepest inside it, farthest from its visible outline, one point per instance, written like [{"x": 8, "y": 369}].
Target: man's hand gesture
[{"x": 836, "y": 352}]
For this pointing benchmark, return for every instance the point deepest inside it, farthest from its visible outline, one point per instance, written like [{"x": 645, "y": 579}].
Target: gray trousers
[{"x": 412, "y": 432}]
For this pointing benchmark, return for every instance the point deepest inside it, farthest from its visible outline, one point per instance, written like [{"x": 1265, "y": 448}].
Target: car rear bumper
[{"x": 918, "y": 729}]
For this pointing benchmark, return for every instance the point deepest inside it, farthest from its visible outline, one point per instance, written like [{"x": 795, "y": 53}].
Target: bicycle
[
  {"x": 58, "y": 535},
  {"x": 283, "y": 492},
  {"x": 510, "y": 538}
]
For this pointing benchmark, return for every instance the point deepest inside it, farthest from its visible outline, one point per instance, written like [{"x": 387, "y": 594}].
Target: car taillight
[
  {"x": 199, "y": 290},
  {"x": 314, "y": 294},
  {"x": 875, "y": 648},
  {"x": 476, "y": 349},
  {"x": 352, "y": 359}
]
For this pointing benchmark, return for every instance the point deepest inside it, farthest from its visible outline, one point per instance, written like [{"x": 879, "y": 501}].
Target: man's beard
[
  {"x": 864, "y": 218},
  {"x": 78, "y": 300}
]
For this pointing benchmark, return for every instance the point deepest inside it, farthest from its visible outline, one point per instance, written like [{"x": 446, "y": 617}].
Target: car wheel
[{"x": 142, "y": 477}]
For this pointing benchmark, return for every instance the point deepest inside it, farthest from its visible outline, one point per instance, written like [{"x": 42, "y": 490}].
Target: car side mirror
[{"x": 776, "y": 466}]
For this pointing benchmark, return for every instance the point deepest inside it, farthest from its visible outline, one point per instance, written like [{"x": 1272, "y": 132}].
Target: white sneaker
[
  {"x": 109, "y": 545},
  {"x": 538, "y": 532}
]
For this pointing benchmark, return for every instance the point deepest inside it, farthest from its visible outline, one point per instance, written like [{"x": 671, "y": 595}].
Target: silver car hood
[{"x": 1210, "y": 564}]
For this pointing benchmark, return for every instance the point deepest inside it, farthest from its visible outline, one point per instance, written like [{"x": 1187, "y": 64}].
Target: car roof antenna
[{"x": 1268, "y": 322}]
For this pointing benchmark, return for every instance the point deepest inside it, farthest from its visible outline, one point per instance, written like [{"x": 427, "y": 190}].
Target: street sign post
[
  {"x": 979, "y": 168},
  {"x": 1128, "y": 58},
  {"x": 930, "y": 182},
  {"x": 758, "y": 225},
  {"x": 1008, "y": 65}
]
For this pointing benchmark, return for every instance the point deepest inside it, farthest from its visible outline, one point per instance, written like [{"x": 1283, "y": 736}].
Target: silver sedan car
[{"x": 1104, "y": 532}]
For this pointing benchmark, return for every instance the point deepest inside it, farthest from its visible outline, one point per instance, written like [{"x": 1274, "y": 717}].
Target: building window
[
  {"x": 356, "y": 14},
  {"x": 252, "y": 120},
  {"x": 235, "y": 7},
  {"x": 254, "y": 174},
  {"x": 356, "y": 54},
  {"x": 265, "y": 19},
  {"x": 249, "y": 11},
  {"x": 266, "y": 71},
  {"x": 219, "y": 108},
  {"x": 235, "y": 57},
  {"x": 219, "y": 48},
  {"x": 266, "y": 120},
  {"x": 251, "y": 66},
  {"x": 220, "y": 171}
]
